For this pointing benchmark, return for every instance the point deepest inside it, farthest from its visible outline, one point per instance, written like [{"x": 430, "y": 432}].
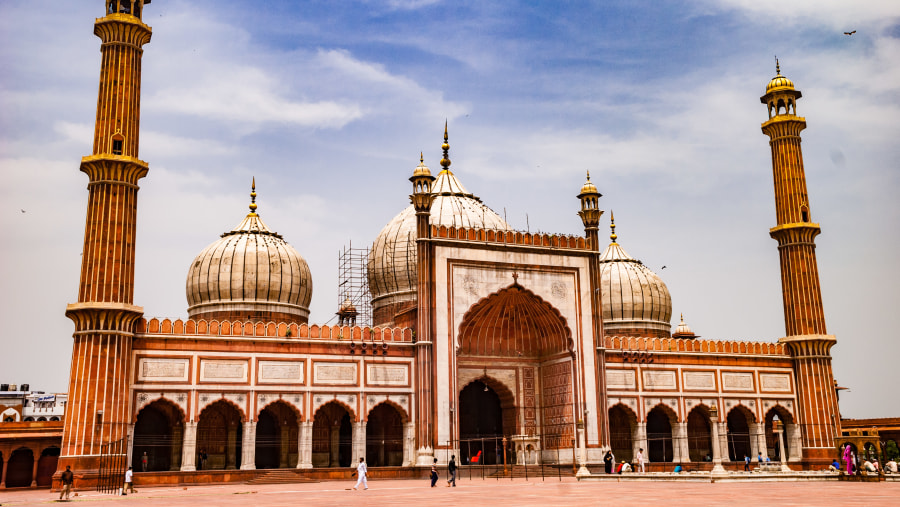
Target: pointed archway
[
  {"x": 699, "y": 434},
  {"x": 158, "y": 433},
  {"x": 384, "y": 436},
  {"x": 219, "y": 433},
  {"x": 622, "y": 425},
  {"x": 277, "y": 433},
  {"x": 516, "y": 326},
  {"x": 332, "y": 436},
  {"x": 659, "y": 434},
  {"x": 738, "y": 423}
]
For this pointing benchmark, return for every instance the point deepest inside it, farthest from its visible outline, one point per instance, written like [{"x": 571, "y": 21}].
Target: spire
[
  {"x": 777, "y": 66},
  {"x": 612, "y": 226},
  {"x": 253, "y": 197},
  {"x": 445, "y": 162}
]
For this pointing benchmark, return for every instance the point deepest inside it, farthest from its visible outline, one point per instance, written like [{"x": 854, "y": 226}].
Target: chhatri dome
[
  {"x": 779, "y": 82},
  {"x": 392, "y": 260},
  {"x": 250, "y": 273},
  {"x": 634, "y": 300}
]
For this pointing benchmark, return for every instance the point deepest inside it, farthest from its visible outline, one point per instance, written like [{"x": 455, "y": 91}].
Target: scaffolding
[{"x": 353, "y": 282}]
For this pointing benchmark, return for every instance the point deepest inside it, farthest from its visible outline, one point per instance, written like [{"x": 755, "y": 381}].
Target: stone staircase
[{"x": 281, "y": 476}]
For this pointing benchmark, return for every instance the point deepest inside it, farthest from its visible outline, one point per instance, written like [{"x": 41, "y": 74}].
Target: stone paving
[{"x": 506, "y": 492}]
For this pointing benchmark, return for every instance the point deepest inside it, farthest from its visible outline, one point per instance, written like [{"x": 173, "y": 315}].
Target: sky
[{"x": 328, "y": 104}]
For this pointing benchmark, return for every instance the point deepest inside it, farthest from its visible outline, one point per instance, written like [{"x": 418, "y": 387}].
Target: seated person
[
  {"x": 834, "y": 466},
  {"x": 677, "y": 469},
  {"x": 768, "y": 459},
  {"x": 619, "y": 467},
  {"x": 626, "y": 467},
  {"x": 869, "y": 467},
  {"x": 891, "y": 467}
]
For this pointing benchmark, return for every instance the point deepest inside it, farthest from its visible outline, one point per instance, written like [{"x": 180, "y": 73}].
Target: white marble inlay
[
  {"x": 737, "y": 381},
  {"x": 387, "y": 374},
  {"x": 281, "y": 372},
  {"x": 659, "y": 379},
  {"x": 620, "y": 379},
  {"x": 334, "y": 373},
  {"x": 150, "y": 369},
  {"x": 775, "y": 382},
  {"x": 700, "y": 380},
  {"x": 223, "y": 371}
]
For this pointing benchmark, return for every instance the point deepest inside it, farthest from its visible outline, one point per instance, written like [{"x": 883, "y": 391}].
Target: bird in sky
[
  {"x": 850, "y": 33},
  {"x": 662, "y": 268},
  {"x": 23, "y": 211}
]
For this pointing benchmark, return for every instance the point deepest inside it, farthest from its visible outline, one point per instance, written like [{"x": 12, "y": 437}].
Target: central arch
[
  {"x": 482, "y": 422},
  {"x": 219, "y": 433},
  {"x": 332, "y": 436},
  {"x": 532, "y": 338}
]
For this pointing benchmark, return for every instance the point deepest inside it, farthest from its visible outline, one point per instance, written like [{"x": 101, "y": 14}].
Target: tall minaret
[
  {"x": 98, "y": 410},
  {"x": 795, "y": 232}
]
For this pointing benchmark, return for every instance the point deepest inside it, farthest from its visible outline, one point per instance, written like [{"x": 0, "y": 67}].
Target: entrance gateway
[{"x": 515, "y": 376}]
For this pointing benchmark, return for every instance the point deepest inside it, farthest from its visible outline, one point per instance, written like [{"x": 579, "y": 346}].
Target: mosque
[{"x": 494, "y": 345}]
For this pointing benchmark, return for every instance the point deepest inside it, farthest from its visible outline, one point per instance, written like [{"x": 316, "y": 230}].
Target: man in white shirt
[
  {"x": 361, "y": 471},
  {"x": 129, "y": 485},
  {"x": 640, "y": 459}
]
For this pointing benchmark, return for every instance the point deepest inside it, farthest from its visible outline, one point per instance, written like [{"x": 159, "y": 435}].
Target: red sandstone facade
[{"x": 529, "y": 348}]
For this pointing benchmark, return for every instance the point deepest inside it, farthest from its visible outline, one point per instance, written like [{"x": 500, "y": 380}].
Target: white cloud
[{"x": 838, "y": 14}]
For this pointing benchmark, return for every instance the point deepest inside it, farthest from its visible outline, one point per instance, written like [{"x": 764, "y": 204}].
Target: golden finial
[
  {"x": 612, "y": 226},
  {"x": 253, "y": 197},
  {"x": 777, "y": 66},
  {"x": 421, "y": 157},
  {"x": 445, "y": 162}
]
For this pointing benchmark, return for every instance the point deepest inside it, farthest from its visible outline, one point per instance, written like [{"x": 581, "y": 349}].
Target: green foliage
[{"x": 891, "y": 450}]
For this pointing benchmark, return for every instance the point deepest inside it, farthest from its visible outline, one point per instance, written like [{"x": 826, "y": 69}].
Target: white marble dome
[
  {"x": 635, "y": 301},
  {"x": 392, "y": 260},
  {"x": 249, "y": 272}
]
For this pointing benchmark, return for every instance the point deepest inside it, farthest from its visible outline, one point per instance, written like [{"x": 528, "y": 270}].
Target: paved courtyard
[{"x": 492, "y": 492}]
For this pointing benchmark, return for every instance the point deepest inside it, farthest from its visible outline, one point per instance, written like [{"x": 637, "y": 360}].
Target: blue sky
[{"x": 328, "y": 105}]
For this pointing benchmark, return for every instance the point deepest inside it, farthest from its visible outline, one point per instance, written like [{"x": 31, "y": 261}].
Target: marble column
[
  {"x": 359, "y": 442},
  {"x": 639, "y": 440},
  {"x": 680, "y": 447},
  {"x": 723, "y": 441},
  {"x": 129, "y": 448},
  {"x": 758, "y": 440},
  {"x": 304, "y": 445},
  {"x": 795, "y": 444},
  {"x": 409, "y": 445},
  {"x": 189, "y": 448},
  {"x": 248, "y": 446}
]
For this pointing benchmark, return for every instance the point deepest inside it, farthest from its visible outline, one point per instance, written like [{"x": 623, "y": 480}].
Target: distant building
[{"x": 30, "y": 435}]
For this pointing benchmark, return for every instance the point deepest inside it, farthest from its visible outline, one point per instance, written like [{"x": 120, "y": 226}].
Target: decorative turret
[
  {"x": 590, "y": 212},
  {"x": 804, "y": 316}
]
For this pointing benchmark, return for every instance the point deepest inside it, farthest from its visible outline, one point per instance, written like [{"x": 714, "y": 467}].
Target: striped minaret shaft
[
  {"x": 804, "y": 318},
  {"x": 98, "y": 409}
]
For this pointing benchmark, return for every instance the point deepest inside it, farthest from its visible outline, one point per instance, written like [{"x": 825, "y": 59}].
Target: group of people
[
  {"x": 610, "y": 466},
  {"x": 362, "y": 471},
  {"x": 852, "y": 466}
]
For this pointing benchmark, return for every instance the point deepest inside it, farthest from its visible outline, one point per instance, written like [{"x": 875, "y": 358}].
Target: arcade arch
[
  {"x": 699, "y": 434},
  {"x": 277, "y": 434},
  {"x": 773, "y": 448},
  {"x": 738, "y": 422},
  {"x": 219, "y": 433},
  {"x": 332, "y": 442},
  {"x": 622, "y": 429},
  {"x": 158, "y": 432},
  {"x": 384, "y": 436},
  {"x": 660, "y": 421}
]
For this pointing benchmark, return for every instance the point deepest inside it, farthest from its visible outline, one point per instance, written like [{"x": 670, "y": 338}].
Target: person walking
[
  {"x": 608, "y": 461},
  {"x": 434, "y": 474},
  {"x": 746, "y": 463},
  {"x": 129, "y": 482},
  {"x": 640, "y": 458},
  {"x": 67, "y": 478},
  {"x": 451, "y": 468},
  {"x": 361, "y": 470}
]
